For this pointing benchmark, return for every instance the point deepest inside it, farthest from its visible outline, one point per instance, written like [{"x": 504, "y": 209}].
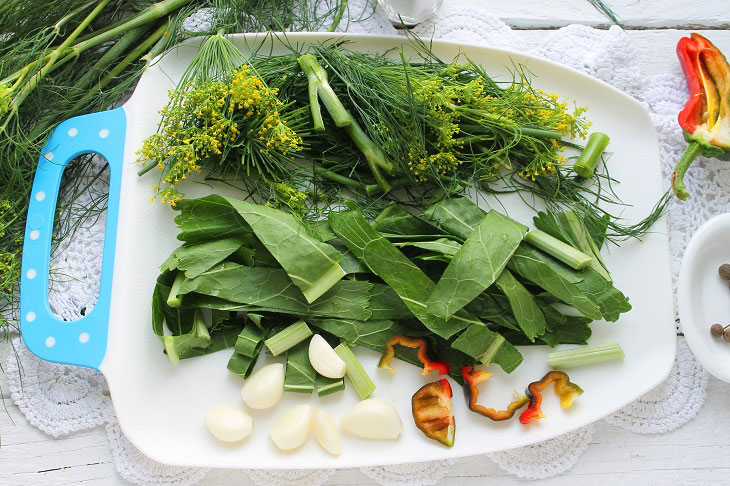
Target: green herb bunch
[{"x": 206, "y": 123}]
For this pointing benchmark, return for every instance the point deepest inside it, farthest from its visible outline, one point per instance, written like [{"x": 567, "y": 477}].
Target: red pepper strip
[
  {"x": 428, "y": 365},
  {"x": 471, "y": 379},
  {"x": 431, "y": 407},
  {"x": 705, "y": 118},
  {"x": 564, "y": 388}
]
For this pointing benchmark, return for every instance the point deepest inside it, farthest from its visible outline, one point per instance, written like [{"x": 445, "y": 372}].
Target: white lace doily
[{"x": 60, "y": 399}]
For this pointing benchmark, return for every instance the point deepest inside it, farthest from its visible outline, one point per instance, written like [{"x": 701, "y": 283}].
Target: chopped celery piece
[
  {"x": 572, "y": 257},
  {"x": 360, "y": 380},
  {"x": 327, "y": 386},
  {"x": 174, "y": 300},
  {"x": 300, "y": 376},
  {"x": 288, "y": 338},
  {"x": 585, "y": 166},
  {"x": 585, "y": 355}
]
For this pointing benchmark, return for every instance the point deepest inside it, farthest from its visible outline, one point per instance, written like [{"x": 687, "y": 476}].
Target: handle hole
[{"x": 78, "y": 236}]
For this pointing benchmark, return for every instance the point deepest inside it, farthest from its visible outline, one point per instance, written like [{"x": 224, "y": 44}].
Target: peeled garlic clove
[
  {"x": 373, "y": 418},
  {"x": 228, "y": 424},
  {"x": 292, "y": 429},
  {"x": 264, "y": 388},
  {"x": 323, "y": 358},
  {"x": 326, "y": 431}
]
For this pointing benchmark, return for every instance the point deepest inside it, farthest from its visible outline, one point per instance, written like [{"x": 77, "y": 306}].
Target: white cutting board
[{"x": 160, "y": 407}]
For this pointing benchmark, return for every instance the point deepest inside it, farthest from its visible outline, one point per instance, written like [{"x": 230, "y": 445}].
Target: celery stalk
[
  {"x": 562, "y": 251},
  {"x": 360, "y": 380},
  {"x": 585, "y": 166},
  {"x": 288, "y": 338},
  {"x": 585, "y": 355},
  {"x": 173, "y": 300}
]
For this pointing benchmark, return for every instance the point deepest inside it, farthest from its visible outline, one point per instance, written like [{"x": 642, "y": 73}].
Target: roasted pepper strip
[
  {"x": 472, "y": 378},
  {"x": 564, "y": 388},
  {"x": 705, "y": 118},
  {"x": 431, "y": 407},
  {"x": 428, "y": 365}
]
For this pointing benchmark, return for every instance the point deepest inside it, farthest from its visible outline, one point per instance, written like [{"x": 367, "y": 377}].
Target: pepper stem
[{"x": 684, "y": 162}]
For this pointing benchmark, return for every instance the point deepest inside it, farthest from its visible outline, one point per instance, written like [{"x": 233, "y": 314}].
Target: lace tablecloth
[{"x": 60, "y": 399}]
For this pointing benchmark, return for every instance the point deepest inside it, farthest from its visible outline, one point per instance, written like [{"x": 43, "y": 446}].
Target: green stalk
[
  {"x": 57, "y": 26},
  {"x": 684, "y": 162},
  {"x": 572, "y": 257},
  {"x": 585, "y": 166},
  {"x": 130, "y": 58},
  {"x": 338, "y": 16},
  {"x": 539, "y": 133},
  {"x": 572, "y": 358},
  {"x": 318, "y": 76},
  {"x": 173, "y": 300},
  {"x": 153, "y": 12},
  {"x": 327, "y": 174},
  {"x": 360, "y": 380},
  {"x": 54, "y": 56},
  {"x": 288, "y": 338}
]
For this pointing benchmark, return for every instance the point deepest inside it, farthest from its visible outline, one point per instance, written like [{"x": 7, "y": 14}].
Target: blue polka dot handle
[{"x": 81, "y": 342}]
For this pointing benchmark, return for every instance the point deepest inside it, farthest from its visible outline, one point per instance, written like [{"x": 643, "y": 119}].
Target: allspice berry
[
  {"x": 717, "y": 330},
  {"x": 724, "y": 271}
]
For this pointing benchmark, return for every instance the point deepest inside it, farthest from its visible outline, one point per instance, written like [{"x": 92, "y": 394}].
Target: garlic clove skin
[
  {"x": 373, "y": 418},
  {"x": 264, "y": 388},
  {"x": 327, "y": 432},
  {"x": 292, "y": 429},
  {"x": 323, "y": 358},
  {"x": 228, "y": 424}
]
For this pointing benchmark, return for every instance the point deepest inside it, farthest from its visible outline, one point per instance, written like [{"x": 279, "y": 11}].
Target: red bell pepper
[
  {"x": 428, "y": 365},
  {"x": 431, "y": 407},
  {"x": 472, "y": 378},
  {"x": 564, "y": 388},
  {"x": 705, "y": 118}
]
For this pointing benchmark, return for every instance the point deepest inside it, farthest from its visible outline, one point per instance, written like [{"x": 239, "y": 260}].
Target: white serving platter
[
  {"x": 160, "y": 407},
  {"x": 703, "y": 298}
]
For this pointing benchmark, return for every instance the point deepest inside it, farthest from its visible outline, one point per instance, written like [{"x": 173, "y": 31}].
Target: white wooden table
[{"x": 695, "y": 454}]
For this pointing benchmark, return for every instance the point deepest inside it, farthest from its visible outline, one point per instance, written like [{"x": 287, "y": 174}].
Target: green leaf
[
  {"x": 250, "y": 341},
  {"x": 300, "y": 376},
  {"x": 328, "y": 386},
  {"x": 222, "y": 336},
  {"x": 394, "y": 220},
  {"x": 457, "y": 216},
  {"x": 491, "y": 308},
  {"x": 526, "y": 311},
  {"x": 210, "y": 218},
  {"x": 271, "y": 289},
  {"x": 241, "y": 365},
  {"x": 444, "y": 246},
  {"x": 488, "y": 347},
  {"x": 385, "y": 304},
  {"x": 311, "y": 264},
  {"x": 477, "y": 264},
  {"x": 575, "y": 330},
  {"x": 196, "y": 258},
  {"x": 611, "y": 301},
  {"x": 387, "y": 262},
  {"x": 548, "y": 274}
]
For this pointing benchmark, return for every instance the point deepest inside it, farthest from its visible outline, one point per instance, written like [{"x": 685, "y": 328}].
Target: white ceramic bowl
[{"x": 703, "y": 297}]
